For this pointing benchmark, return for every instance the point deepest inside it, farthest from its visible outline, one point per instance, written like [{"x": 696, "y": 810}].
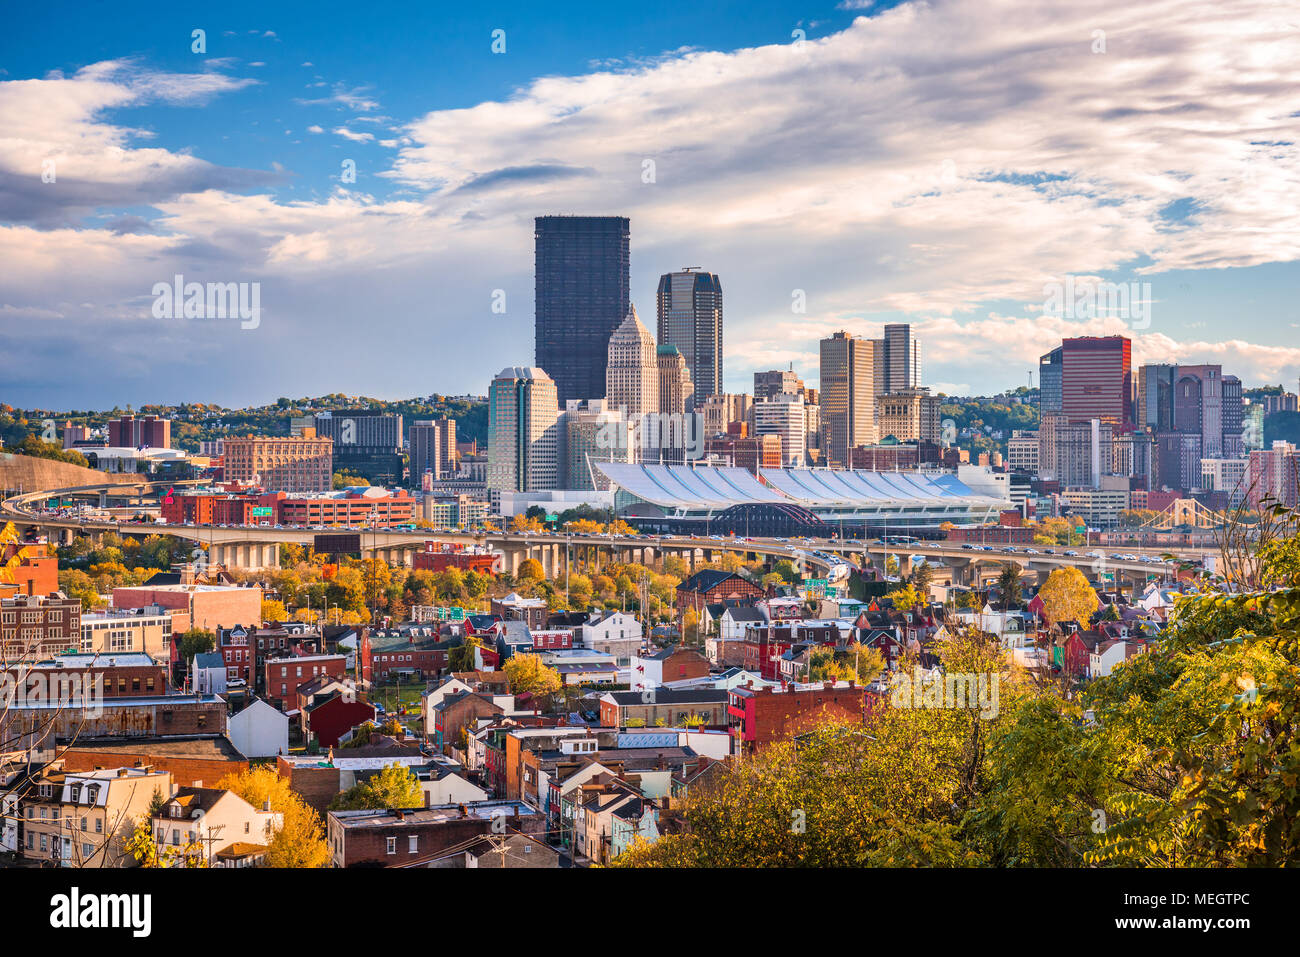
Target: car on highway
[
  {"x": 1071, "y": 552},
  {"x": 968, "y": 547},
  {"x": 1031, "y": 551},
  {"x": 1049, "y": 551}
]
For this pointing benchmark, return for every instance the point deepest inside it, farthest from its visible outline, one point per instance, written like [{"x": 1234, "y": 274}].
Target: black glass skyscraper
[
  {"x": 690, "y": 318},
  {"x": 582, "y": 276}
]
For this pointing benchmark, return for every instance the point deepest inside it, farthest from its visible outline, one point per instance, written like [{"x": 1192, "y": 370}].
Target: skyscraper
[
  {"x": 632, "y": 369},
  {"x": 783, "y": 414},
  {"x": 1049, "y": 382},
  {"x": 523, "y": 435},
  {"x": 848, "y": 395},
  {"x": 897, "y": 360},
  {"x": 432, "y": 448},
  {"x": 582, "y": 277},
  {"x": 689, "y": 308},
  {"x": 775, "y": 382},
  {"x": 1156, "y": 397},
  {"x": 1097, "y": 380},
  {"x": 674, "y": 380}
]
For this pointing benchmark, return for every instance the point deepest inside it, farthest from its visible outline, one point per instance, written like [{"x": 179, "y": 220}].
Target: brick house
[
  {"x": 763, "y": 715},
  {"x": 283, "y": 676},
  {"x": 674, "y": 663},
  {"x": 414, "y": 653},
  {"x": 456, "y": 712},
  {"x": 710, "y": 587},
  {"x": 191, "y": 760},
  {"x": 390, "y": 838},
  {"x": 667, "y": 706}
]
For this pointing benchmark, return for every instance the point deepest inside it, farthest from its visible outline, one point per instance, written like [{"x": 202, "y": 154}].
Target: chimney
[
  {"x": 266, "y": 806},
  {"x": 123, "y": 772},
  {"x": 401, "y": 815}
]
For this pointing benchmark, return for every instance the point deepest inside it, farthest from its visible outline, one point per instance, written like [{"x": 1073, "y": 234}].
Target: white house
[
  {"x": 435, "y": 696},
  {"x": 443, "y": 782},
  {"x": 208, "y": 673},
  {"x": 616, "y": 633},
  {"x": 737, "y": 620},
  {"x": 204, "y": 821},
  {"x": 259, "y": 730}
]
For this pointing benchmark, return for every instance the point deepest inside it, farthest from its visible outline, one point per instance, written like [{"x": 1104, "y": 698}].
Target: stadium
[{"x": 792, "y": 502}]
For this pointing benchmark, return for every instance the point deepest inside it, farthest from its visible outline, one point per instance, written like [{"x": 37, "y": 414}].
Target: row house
[
  {"x": 409, "y": 653},
  {"x": 388, "y": 838},
  {"x": 609, "y": 814},
  {"x": 284, "y": 676},
  {"x": 764, "y": 645},
  {"x": 84, "y": 818},
  {"x": 761, "y": 716}
]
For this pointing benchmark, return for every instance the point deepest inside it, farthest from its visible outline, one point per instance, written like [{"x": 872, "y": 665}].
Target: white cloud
[
  {"x": 355, "y": 137},
  {"x": 931, "y": 161}
]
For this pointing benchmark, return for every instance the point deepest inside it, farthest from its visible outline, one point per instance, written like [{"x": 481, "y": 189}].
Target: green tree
[{"x": 393, "y": 787}]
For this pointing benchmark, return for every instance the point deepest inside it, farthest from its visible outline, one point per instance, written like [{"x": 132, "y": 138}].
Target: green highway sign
[{"x": 263, "y": 511}]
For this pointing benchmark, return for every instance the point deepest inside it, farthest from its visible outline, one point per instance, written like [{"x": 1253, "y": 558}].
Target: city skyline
[{"x": 231, "y": 166}]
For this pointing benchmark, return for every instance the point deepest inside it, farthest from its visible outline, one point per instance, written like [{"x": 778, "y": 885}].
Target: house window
[
  {"x": 412, "y": 844},
  {"x": 392, "y": 845},
  {"x": 87, "y": 851}
]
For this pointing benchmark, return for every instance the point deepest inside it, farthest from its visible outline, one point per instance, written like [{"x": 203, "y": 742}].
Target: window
[
  {"x": 99, "y": 825},
  {"x": 392, "y": 844},
  {"x": 83, "y": 823},
  {"x": 412, "y": 844},
  {"x": 87, "y": 852},
  {"x": 176, "y": 836}
]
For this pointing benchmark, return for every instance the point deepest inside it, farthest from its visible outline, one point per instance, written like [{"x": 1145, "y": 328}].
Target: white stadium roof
[{"x": 684, "y": 489}]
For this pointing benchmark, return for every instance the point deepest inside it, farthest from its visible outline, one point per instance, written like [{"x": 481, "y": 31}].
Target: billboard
[{"x": 347, "y": 544}]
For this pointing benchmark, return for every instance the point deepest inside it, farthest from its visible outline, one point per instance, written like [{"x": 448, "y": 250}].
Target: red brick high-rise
[
  {"x": 148, "y": 431},
  {"x": 1097, "y": 380}
]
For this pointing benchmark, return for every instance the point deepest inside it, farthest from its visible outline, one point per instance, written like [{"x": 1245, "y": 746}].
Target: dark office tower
[
  {"x": 1234, "y": 412},
  {"x": 1097, "y": 380},
  {"x": 1049, "y": 382},
  {"x": 582, "y": 275},
  {"x": 690, "y": 318},
  {"x": 898, "y": 360},
  {"x": 1156, "y": 397}
]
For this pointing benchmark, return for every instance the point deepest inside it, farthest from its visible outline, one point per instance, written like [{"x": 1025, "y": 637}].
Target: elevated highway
[{"x": 257, "y": 547}]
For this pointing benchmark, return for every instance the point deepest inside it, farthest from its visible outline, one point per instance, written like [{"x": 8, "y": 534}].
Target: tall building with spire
[
  {"x": 632, "y": 368},
  {"x": 689, "y": 306}
]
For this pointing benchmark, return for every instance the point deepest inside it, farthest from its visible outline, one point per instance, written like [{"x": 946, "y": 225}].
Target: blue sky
[{"x": 940, "y": 163}]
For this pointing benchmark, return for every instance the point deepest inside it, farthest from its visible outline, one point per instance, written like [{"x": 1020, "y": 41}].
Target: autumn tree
[
  {"x": 527, "y": 675},
  {"x": 1067, "y": 596},
  {"x": 300, "y": 841}
]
